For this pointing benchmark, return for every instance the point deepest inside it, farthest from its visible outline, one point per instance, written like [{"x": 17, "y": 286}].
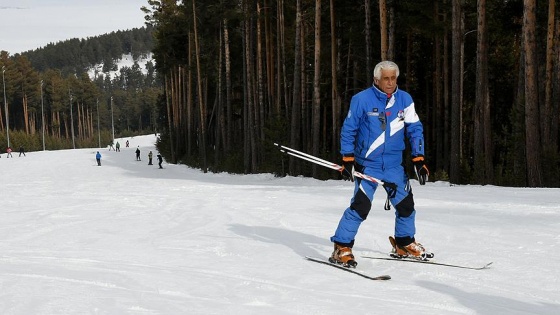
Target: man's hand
[
  {"x": 420, "y": 169},
  {"x": 347, "y": 170}
]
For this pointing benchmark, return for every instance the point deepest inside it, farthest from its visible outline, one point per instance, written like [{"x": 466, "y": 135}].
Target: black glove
[
  {"x": 347, "y": 170},
  {"x": 420, "y": 169}
]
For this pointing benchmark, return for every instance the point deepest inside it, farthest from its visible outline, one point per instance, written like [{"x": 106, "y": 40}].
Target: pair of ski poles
[{"x": 325, "y": 163}]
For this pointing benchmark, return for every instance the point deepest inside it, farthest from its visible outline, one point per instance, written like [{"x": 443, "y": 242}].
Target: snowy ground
[{"x": 129, "y": 238}]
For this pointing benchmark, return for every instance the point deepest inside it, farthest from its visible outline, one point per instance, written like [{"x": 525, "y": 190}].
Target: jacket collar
[{"x": 382, "y": 96}]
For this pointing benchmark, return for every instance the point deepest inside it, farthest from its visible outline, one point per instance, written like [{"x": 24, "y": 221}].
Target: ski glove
[
  {"x": 347, "y": 170},
  {"x": 420, "y": 169}
]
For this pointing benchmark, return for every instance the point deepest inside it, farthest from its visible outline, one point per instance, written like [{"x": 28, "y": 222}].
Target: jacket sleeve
[
  {"x": 350, "y": 126},
  {"x": 414, "y": 130}
]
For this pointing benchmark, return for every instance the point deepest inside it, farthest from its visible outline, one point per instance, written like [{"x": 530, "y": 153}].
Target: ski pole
[
  {"x": 325, "y": 163},
  {"x": 310, "y": 158}
]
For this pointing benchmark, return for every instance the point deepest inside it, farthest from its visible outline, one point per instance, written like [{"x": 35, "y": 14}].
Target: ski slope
[{"x": 129, "y": 238}]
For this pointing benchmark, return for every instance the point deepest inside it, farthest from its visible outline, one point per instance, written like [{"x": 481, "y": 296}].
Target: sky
[
  {"x": 31, "y": 24},
  {"x": 130, "y": 238}
]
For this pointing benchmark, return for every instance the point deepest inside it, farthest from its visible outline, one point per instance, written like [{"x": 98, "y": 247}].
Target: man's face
[{"x": 388, "y": 81}]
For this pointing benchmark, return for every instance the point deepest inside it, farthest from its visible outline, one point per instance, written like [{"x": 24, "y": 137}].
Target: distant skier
[
  {"x": 127, "y": 143},
  {"x": 111, "y": 146},
  {"x": 118, "y": 147},
  {"x": 138, "y": 154},
  {"x": 98, "y": 158},
  {"x": 160, "y": 160},
  {"x": 150, "y": 155},
  {"x": 9, "y": 152},
  {"x": 21, "y": 151}
]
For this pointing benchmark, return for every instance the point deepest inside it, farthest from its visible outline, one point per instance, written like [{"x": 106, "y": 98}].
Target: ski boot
[
  {"x": 342, "y": 255},
  {"x": 413, "y": 250}
]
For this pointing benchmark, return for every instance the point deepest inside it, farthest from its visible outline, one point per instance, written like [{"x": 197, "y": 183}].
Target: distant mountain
[{"x": 80, "y": 55}]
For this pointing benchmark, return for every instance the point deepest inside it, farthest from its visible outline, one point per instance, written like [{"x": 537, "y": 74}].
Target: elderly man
[{"x": 372, "y": 142}]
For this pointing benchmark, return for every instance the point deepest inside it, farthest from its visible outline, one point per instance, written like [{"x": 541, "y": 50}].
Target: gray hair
[{"x": 386, "y": 64}]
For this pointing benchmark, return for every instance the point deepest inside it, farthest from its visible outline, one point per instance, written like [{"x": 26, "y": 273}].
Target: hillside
[{"x": 79, "y": 55}]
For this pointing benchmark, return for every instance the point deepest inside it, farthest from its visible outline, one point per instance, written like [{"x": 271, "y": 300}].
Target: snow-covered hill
[
  {"x": 129, "y": 238},
  {"x": 126, "y": 60}
]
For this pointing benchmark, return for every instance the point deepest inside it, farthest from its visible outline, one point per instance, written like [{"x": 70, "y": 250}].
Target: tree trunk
[
  {"x": 437, "y": 114},
  {"x": 261, "y": 106},
  {"x": 269, "y": 55},
  {"x": 518, "y": 156},
  {"x": 305, "y": 110},
  {"x": 383, "y": 28},
  {"x": 483, "y": 167},
  {"x": 369, "y": 48},
  {"x": 556, "y": 88},
  {"x": 174, "y": 111},
  {"x": 168, "y": 95},
  {"x": 220, "y": 130},
  {"x": 391, "y": 30},
  {"x": 202, "y": 107},
  {"x": 2, "y": 118},
  {"x": 79, "y": 119},
  {"x": 282, "y": 90},
  {"x": 25, "y": 113},
  {"x": 546, "y": 110},
  {"x": 456, "y": 90},
  {"x": 229, "y": 110},
  {"x": 296, "y": 104},
  {"x": 446, "y": 103},
  {"x": 252, "y": 113},
  {"x": 532, "y": 139},
  {"x": 316, "y": 86},
  {"x": 335, "y": 98},
  {"x": 190, "y": 102},
  {"x": 486, "y": 105}
]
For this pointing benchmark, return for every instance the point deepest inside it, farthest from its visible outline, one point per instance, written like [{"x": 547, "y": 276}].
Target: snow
[
  {"x": 127, "y": 60},
  {"x": 129, "y": 238}
]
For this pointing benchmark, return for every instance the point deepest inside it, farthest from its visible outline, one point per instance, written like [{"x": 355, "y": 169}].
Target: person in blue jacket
[
  {"x": 98, "y": 158},
  {"x": 372, "y": 142}
]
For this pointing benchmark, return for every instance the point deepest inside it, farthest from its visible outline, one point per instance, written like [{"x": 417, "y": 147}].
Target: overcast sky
[{"x": 31, "y": 24}]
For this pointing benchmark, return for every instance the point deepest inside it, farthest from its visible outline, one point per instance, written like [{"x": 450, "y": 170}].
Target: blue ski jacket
[{"x": 376, "y": 125}]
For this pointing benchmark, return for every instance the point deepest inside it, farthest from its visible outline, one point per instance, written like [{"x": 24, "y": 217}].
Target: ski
[
  {"x": 431, "y": 262},
  {"x": 354, "y": 271}
]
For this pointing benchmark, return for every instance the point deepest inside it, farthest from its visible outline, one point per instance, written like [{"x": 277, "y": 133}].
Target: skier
[
  {"x": 372, "y": 142},
  {"x": 160, "y": 160},
  {"x": 118, "y": 147},
  {"x": 21, "y": 151},
  {"x": 150, "y": 155},
  {"x": 138, "y": 153},
  {"x": 98, "y": 158},
  {"x": 9, "y": 152},
  {"x": 111, "y": 146},
  {"x": 127, "y": 143}
]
